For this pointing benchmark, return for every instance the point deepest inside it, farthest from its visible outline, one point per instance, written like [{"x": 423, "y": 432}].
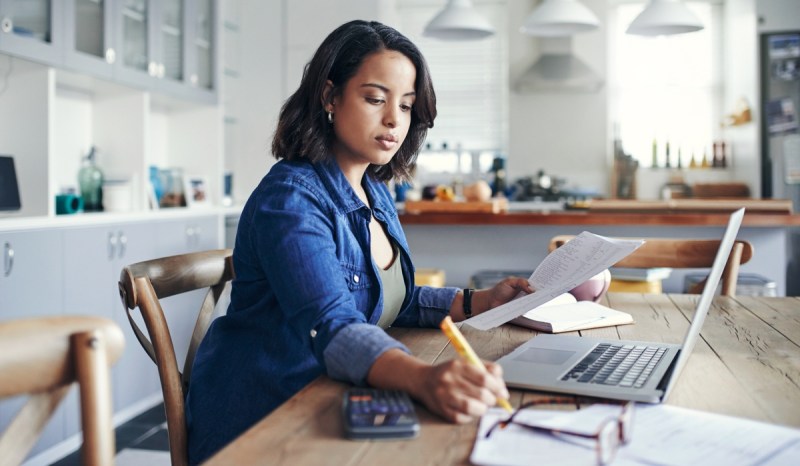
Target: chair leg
[
  {"x": 93, "y": 375},
  {"x": 730, "y": 276}
]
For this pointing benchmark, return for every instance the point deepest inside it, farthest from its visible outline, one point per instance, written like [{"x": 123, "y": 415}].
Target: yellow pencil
[{"x": 466, "y": 352}]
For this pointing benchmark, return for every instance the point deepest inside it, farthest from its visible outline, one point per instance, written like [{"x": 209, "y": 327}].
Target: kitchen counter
[
  {"x": 582, "y": 217},
  {"x": 462, "y": 244}
]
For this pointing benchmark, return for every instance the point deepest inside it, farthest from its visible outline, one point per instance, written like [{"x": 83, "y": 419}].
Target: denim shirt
[{"x": 304, "y": 302}]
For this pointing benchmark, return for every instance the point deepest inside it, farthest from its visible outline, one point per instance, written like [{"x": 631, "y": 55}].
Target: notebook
[
  {"x": 566, "y": 314},
  {"x": 572, "y": 364},
  {"x": 9, "y": 191}
]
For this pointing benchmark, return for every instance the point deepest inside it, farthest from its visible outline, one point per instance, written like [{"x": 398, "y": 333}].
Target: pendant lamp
[
  {"x": 663, "y": 18},
  {"x": 555, "y": 18},
  {"x": 458, "y": 21}
]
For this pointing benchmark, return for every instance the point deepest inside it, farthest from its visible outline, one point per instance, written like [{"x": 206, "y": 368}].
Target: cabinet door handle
[
  {"x": 8, "y": 259},
  {"x": 112, "y": 245},
  {"x": 123, "y": 243}
]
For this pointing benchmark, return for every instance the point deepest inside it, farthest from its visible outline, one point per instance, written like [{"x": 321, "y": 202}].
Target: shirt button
[
  {"x": 313, "y": 333},
  {"x": 356, "y": 278}
]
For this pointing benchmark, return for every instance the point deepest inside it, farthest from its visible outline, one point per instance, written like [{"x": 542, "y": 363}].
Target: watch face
[{"x": 9, "y": 191}]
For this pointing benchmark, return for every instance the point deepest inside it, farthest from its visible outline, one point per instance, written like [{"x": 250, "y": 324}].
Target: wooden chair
[
  {"x": 143, "y": 285},
  {"x": 42, "y": 357},
  {"x": 682, "y": 254}
]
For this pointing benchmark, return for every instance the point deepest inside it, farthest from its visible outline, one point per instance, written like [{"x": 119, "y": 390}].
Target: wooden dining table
[{"x": 746, "y": 364}]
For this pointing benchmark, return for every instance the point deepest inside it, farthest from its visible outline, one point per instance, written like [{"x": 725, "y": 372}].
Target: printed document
[
  {"x": 578, "y": 260},
  {"x": 661, "y": 434}
]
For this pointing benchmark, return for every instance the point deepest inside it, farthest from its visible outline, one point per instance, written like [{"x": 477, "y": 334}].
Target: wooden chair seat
[
  {"x": 41, "y": 358},
  {"x": 142, "y": 286},
  {"x": 682, "y": 254}
]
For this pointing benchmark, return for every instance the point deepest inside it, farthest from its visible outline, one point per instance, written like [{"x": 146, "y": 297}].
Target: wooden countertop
[
  {"x": 746, "y": 365},
  {"x": 766, "y": 220}
]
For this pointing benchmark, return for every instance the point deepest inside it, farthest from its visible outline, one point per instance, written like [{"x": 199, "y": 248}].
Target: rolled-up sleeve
[
  {"x": 427, "y": 308},
  {"x": 351, "y": 352}
]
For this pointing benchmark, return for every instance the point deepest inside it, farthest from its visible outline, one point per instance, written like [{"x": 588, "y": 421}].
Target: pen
[{"x": 466, "y": 352}]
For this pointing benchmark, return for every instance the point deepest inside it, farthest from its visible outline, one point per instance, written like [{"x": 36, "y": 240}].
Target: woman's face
[{"x": 372, "y": 115}]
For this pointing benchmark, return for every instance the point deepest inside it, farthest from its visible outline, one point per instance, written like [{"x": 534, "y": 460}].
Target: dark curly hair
[{"x": 303, "y": 130}]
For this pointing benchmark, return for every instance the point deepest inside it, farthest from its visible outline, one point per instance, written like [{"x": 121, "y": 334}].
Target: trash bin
[{"x": 748, "y": 284}]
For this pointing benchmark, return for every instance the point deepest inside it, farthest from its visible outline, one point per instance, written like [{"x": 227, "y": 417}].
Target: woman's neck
[{"x": 354, "y": 173}]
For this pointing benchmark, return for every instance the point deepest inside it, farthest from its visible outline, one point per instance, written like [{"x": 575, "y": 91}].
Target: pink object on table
[{"x": 594, "y": 288}]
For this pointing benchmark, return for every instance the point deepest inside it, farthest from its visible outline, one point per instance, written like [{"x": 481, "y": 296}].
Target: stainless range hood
[{"x": 558, "y": 70}]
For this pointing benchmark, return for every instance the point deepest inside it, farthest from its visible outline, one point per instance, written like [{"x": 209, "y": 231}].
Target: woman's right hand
[{"x": 459, "y": 391}]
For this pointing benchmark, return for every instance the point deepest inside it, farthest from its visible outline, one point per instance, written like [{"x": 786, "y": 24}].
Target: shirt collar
[{"x": 343, "y": 194}]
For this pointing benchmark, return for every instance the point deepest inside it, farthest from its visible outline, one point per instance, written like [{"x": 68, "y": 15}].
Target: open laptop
[
  {"x": 9, "y": 191},
  {"x": 574, "y": 365}
]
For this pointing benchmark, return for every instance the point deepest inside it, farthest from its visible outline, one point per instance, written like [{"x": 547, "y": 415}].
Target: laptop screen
[
  {"x": 9, "y": 191},
  {"x": 725, "y": 246}
]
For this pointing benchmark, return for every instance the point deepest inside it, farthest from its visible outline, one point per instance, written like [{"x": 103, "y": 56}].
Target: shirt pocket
[{"x": 357, "y": 278}]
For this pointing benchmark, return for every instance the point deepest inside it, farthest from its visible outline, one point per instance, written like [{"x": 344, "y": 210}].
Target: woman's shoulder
[{"x": 299, "y": 174}]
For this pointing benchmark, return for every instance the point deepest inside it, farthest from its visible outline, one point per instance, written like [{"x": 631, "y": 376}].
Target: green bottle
[
  {"x": 654, "y": 161},
  {"x": 90, "y": 180}
]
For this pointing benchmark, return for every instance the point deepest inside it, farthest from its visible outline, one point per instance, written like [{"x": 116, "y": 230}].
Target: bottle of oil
[{"x": 90, "y": 180}]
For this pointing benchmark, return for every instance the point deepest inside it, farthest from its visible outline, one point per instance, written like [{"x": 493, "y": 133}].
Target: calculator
[{"x": 371, "y": 413}]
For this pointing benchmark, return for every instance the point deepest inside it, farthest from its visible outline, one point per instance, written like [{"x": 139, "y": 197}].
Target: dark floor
[{"x": 147, "y": 431}]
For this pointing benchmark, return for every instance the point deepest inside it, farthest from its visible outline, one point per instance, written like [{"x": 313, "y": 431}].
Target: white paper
[
  {"x": 578, "y": 260},
  {"x": 663, "y": 435}
]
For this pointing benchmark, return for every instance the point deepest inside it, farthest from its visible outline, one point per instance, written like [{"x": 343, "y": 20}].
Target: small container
[{"x": 117, "y": 196}]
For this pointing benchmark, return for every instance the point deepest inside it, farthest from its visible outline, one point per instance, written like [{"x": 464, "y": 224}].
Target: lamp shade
[
  {"x": 663, "y": 18},
  {"x": 554, "y": 18},
  {"x": 458, "y": 21}
]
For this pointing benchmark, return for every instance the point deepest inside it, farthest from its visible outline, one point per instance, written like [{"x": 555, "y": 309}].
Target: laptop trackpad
[{"x": 544, "y": 356}]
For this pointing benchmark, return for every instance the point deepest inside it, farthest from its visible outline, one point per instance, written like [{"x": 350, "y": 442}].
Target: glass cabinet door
[
  {"x": 135, "y": 42},
  {"x": 134, "y": 25},
  {"x": 88, "y": 38},
  {"x": 172, "y": 33},
  {"x": 32, "y": 28},
  {"x": 203, "y": 73}
]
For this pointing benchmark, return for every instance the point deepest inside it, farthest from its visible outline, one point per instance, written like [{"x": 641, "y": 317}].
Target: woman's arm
[{"x": 455, "y": 390}]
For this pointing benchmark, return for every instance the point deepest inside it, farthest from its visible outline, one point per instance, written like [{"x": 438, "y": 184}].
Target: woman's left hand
[{"x": 508, "y": 289}]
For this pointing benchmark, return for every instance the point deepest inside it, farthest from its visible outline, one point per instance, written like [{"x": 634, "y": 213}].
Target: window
[
  {"x": 666, "y": 89},
  {"x": 471, "y": 83}
]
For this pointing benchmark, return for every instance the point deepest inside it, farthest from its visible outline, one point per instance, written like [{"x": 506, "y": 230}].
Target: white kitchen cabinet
[
  {"x": 188, "y": 235},
  {"x": 181, "y": 237},
  {"x": 32, "y": 29},
  {"x": 94, "y": 257},
  {"x": 31, "y": 272}
]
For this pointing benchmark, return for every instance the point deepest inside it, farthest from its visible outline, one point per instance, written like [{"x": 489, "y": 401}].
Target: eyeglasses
[{"x": 610, "y": 434}]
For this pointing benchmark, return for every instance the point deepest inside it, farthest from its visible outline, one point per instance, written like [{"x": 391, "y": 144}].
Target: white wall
[
  {"x": 564, "y": 134},
  {"x": 252, "y": 99}
]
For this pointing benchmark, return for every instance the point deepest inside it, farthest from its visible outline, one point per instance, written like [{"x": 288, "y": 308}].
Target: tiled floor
[{"x": 142, "y": 440}]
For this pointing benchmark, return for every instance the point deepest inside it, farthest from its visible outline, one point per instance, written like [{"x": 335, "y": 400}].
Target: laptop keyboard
[{"x": 622, "y": 365}]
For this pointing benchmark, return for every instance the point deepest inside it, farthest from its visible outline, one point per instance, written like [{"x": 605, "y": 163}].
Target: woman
[{"x": 322, "y": 264}]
